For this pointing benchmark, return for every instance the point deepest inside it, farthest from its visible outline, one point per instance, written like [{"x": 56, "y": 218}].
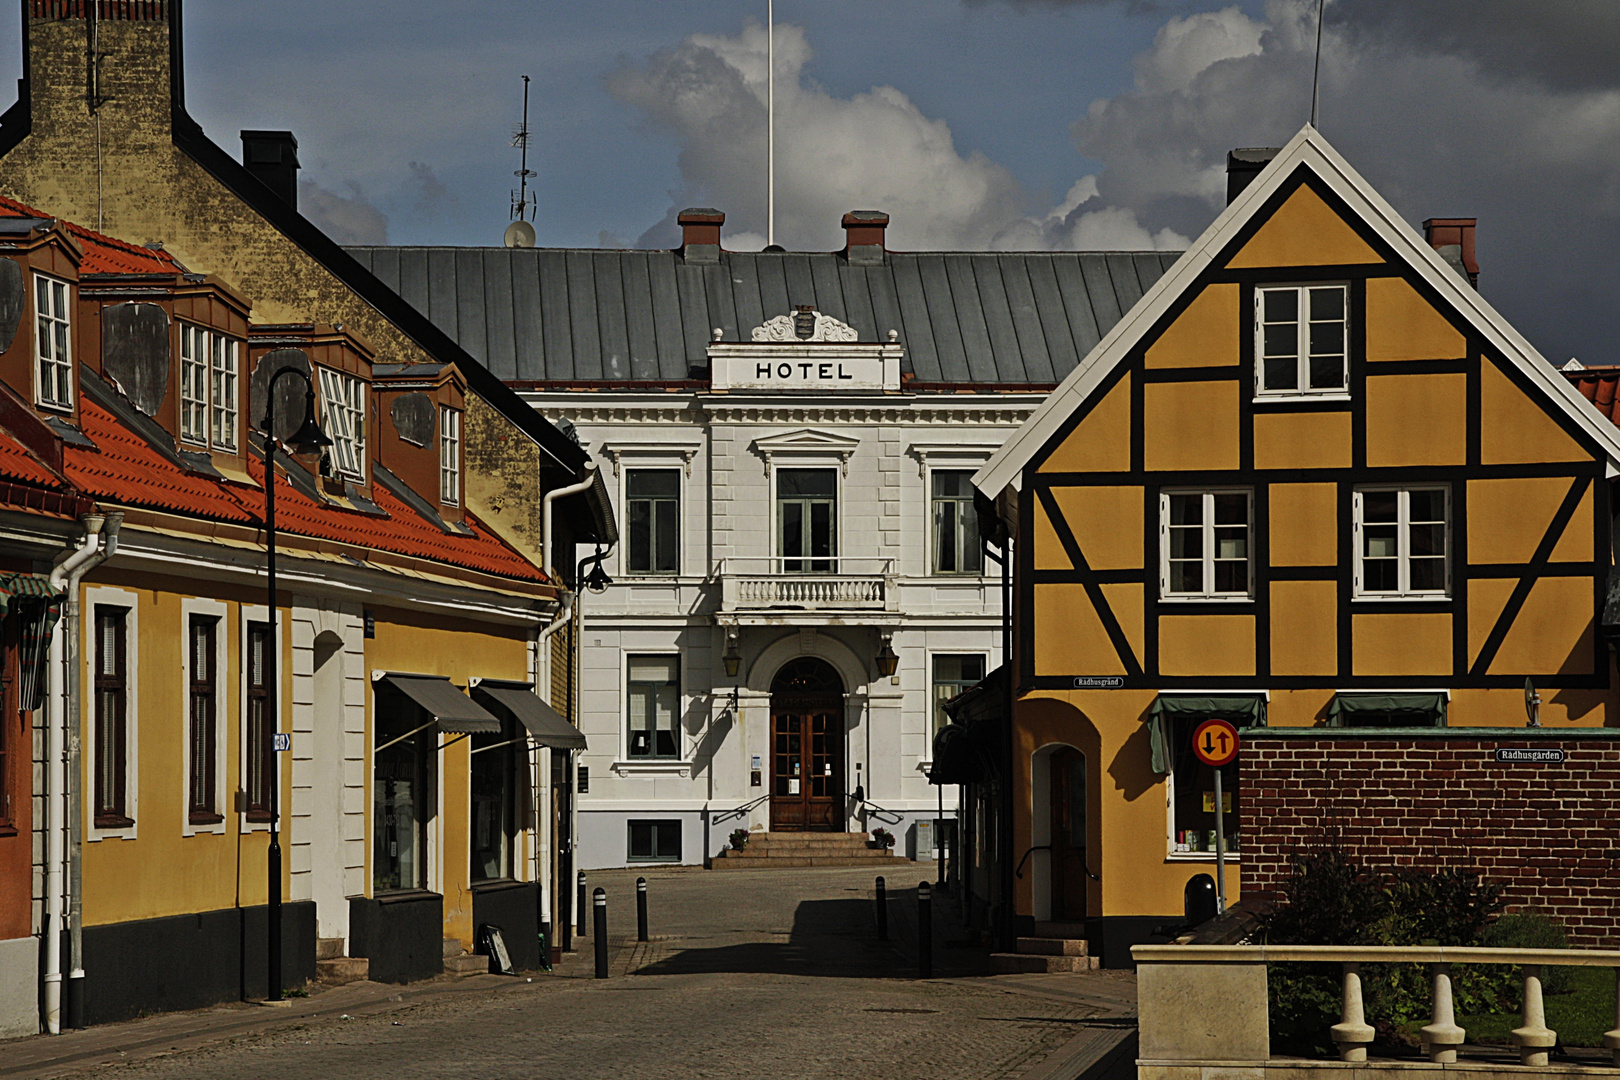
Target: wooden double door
[
  {"x": 807, "y": 744},
  {"x": 1069, "y": 829}
]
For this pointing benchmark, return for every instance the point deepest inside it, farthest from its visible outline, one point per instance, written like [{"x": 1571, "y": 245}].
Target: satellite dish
[{"x": 519, "y": 234}]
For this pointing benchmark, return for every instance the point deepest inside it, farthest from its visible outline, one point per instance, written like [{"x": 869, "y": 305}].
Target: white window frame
[
  {"x": 626, "y": 455},
  {"x": 45, "y": 322},
  {"x": 103, "y": 596},
  {"x": 1403, "y": 543},
  {"x": 223, "y": 675},
  {"x": 343, "y": 402},
  {"x": 246, "y": 617},
  {"x": 835, "y": 466},
  {"x": 933, "y": 536},
  {"x": 1170, "y": 852},
  {"x": 1208, "y": 529},
  {"x": 929, "y": 657},
  {"x": 1303, "y": 387},
  {"x": 680, "y": 517},
  {"x": 195, "y": 375},
  {"x": 449, "y": 456},
  {"x": 682, "y": 758},
  {"x": 224, "y": 363}
]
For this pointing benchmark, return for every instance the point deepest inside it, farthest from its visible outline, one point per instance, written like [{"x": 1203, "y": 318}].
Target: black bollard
[
  {"x": 601, "y": 934},
  {"x": 641, "y": 909},
  {"x": 882, "y": 910},
  {"x": 581, "y": 907},
  {"x": 925, "y": 932}
]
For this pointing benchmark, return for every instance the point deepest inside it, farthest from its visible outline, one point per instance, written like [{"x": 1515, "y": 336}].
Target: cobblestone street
[{"x": 768, "y": 974}]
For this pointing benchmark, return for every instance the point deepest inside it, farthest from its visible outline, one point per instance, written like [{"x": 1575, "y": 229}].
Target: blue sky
[{"x": 975, "y": 123}]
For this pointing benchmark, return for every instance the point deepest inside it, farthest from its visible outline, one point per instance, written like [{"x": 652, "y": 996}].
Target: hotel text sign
[{"x": 824, "y": 368}]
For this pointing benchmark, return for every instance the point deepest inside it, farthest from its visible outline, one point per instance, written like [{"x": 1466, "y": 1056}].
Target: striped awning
[{"x": 21, "y": 586}]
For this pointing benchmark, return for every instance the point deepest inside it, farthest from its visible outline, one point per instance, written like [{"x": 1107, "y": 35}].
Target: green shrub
[{"x": 1527, "y": 930}]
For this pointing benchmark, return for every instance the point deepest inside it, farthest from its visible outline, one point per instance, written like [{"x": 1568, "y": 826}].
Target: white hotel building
[{"x": 790, "y": 437}]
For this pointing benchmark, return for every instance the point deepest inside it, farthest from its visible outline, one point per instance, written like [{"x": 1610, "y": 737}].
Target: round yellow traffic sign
[{"x": 1215, "y": 742}]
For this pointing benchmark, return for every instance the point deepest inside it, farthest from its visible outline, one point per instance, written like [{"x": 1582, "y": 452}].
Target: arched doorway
[
  {"x": 1060, "y": 831},
  {"x": 807, "y": 747}
]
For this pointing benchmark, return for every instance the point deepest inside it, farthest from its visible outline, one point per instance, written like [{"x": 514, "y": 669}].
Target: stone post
[
  {"x": 1352, "y": 1034},
  {"x": 1442, "y": 1036}
]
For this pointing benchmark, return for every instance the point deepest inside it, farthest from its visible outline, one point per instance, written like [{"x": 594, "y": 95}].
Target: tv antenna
[
  {"x": 520, "y": 233},
  {"x": 1316, "y": 68}
]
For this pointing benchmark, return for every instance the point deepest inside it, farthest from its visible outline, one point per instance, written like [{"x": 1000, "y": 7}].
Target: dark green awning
[
  {"x": 1408, "y": 710},
  {"x": 21, "y": 586},
  {"x": 454, "y": 711},
  {"x": 548, "y": 726},
  {"x": 1243, "y": 710}
]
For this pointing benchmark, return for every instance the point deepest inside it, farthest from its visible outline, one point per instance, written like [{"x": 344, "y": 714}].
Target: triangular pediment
[
  {"x": 807, "y": 441},
  {"x": 1307, "y": 207}
]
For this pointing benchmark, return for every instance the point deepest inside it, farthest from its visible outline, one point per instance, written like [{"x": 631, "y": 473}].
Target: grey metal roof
[{"x": 547, "y": 314}]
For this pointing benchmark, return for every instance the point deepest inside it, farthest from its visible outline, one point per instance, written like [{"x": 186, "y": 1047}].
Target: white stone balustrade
[
  {"x": 1205, "y": 1006},
  {"x": 807, "y": 584}
]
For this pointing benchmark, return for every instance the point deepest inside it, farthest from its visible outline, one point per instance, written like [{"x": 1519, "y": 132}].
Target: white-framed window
[
  {"x": 1403, "y": 541},
  {"x": 1300, "y": 336},
  {"x": 807, "y": 519},
  {"x": 1190, "y": 792},
  {"x": 653, "y": 701},
  {"x": 955, "y": 533},
  {"x": 259, "y": 766},
  {"x": 193, "y": 384},
  {"x": 1206, "y": 548},
  {"x": 204, "y": 672},
  {"x": 653, "y": 511},
  {"x": 952, "y": 674},
  {"x": 449, "y": 456},
  {"x": 112, "y": 648},
  {"x": 344, "y": 398},
  {"x": 223, "y": 387},
  {"x": 53, "y": 342}
]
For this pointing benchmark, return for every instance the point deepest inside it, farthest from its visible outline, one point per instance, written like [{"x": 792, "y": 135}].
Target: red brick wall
[{"x": 1550, "y": 834}]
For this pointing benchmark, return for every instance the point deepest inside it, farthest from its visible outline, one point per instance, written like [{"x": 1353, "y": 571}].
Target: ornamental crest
[{"x": 804, "y": 324}]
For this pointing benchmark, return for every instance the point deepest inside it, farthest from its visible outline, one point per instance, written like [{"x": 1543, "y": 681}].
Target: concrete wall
[{"x": 19, "y": 987}]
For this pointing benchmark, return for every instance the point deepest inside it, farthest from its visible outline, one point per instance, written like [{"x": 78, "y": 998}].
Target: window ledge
[
  {"x": 1201, "y": 856},
  {"x": 1228, "y": 598},
  {"x": 653, "y": 767},
  {"x": 1401, "y": 598},
  {"x": 1336, "y": 395}
]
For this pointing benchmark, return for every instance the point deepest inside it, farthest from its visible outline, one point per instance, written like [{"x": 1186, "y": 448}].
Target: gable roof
[
  {"x": 102, "y": 254},
  {"x": 557, "y": 316},
  {"x": 1308, "y": 149}
]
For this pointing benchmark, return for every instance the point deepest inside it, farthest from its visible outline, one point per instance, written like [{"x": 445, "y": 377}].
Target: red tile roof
[
  {"x": 16, "y": 463},
  {"x": 1599, "y": 386},
  {"x": 127, "y": 469},
  {"x": 102, "y": 254}
]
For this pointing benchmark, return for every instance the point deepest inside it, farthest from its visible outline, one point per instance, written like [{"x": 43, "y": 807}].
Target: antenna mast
[
  {"x": 522, "y": 201},
  {"x": 770, "y": 123},
  {"x": 1316, "y": 71}
]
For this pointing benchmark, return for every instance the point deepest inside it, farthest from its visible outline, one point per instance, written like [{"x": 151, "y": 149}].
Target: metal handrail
[
  {"x": 894, "y": 818},
  {"x": 1019, "y": 873},
  {"x": 726, "y": 815}
]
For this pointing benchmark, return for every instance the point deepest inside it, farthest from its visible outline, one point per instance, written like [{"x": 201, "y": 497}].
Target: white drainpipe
[
  {"x": 61, "y": 749},
  {"x": 545, "y": 514}
]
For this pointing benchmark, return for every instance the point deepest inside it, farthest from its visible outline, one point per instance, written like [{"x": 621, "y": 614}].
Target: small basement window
[{"x": 655, "y": 841}]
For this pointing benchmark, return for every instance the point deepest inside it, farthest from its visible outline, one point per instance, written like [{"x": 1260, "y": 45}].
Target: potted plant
[
  {"x": 739, "y": 839},
  {"x": 882, "y": 838}
]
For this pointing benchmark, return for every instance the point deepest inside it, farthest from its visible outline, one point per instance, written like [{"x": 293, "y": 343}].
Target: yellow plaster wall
[
  {"x": 1190, "y": 425},
  {"x": 1515, "y": 429},
  {"x": 1304, "y": 232},
  {"x": 1401, "y": 643},
  {"x": 1552, "y": 632},
  {"x": 1125, "y": 601},
  {"x": 1303, "y": 524},
  {"x": 1206, "y": 644},
  {"x": 1106, "y": 522},
  {"x": 1401, "y": 325},
  {"x": 1507, "y": 519},
  {"x": 1069, "y": 635},
  {"x": 1575, "y": 545},
  {"x": 1472, "y": 707},
  {"x": 1204, "y": 335},
  {"x": 1102, "y": 441},
  {"x": 458, "y": 651},
  {"x": 1298, "y": 708},
  {"x": 1486, "y": 599},
  {"x": 1304, "y": 628},
  {"x": 1304, "y": 440},
  {"x": 1417, "y": 420},
  {"x": 1049, "y": 553}
]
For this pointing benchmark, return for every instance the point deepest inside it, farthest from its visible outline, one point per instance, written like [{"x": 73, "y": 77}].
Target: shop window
[
  {"x": 1205, "y": 550},
  {"x": 53, "y": 342},
  {"x": 449, "y": 456},
  {"x": 403, "y": 774},
  {"x": 1192, "y": 794},
  {"x": 202, "y": 743},
  {"x": 1402, "y": 541},
  {"x": 653, "y": 498},
  {"x": 655, "y": 841},
  {"x": 261, "y": 757},
  {"x": 111, "y": 786},
  {"x": 807, "y": 520},
  {"x": 654, "y": 697},
  {"x": 1300, "y": 340},
  {"x": 952, "y": 675},
  {"x": 495, "y": 757},
  {"x": 957, "y": 549},
  {"x": 344, "y": 398}
]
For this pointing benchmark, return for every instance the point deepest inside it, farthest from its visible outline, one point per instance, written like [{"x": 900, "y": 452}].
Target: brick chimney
[
  {"x": 272, "y": 156},
  {"x": 863, "y": 237},
  {"x": 1243, "y": 165},
  {"x": 700, "y": 234},
  {"x": 1453, "y": 238}
]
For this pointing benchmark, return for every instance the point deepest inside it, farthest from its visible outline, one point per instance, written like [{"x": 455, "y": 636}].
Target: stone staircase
[
  {"x": 461, "y": 963},
  {"x": 332, "y": 968},
  {"x": 784, "y": 850},
  {"x": 1056, "y": 946}
]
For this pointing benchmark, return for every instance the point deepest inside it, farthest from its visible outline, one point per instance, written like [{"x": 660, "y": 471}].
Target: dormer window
[
  {"x": 345, "y": 399},
  {"x": 208, "y": 388},
  {"x": 54, "y": 343},
  {"x": 449, "y": 456}
]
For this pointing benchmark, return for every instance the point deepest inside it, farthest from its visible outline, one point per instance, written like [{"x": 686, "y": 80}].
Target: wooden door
[
  {"x": 1068, "y": 835},
  {"x": 806, "y": 773}
]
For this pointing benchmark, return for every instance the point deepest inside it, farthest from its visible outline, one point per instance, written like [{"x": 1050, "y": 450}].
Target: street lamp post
[{"x": 309, "y": 438}]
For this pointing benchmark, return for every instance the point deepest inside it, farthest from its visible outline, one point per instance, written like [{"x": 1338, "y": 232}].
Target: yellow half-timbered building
[{"x": 1312, "y": 479}]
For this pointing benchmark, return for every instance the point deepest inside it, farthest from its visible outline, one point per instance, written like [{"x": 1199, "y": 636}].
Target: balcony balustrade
[{"x": 807, "y": 584}]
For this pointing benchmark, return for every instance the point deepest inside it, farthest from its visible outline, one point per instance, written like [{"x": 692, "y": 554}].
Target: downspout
[
  {"x": 545, "y": 515},
  {"x": 101, "y": 532},
  {"x": 547, "y": 853}
]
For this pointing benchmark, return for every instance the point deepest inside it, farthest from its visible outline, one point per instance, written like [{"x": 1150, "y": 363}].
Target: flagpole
[{"x": 770, "y": 122}]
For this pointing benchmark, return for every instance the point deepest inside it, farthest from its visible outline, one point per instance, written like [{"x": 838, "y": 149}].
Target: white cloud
[{"x": 348, "y": 219}]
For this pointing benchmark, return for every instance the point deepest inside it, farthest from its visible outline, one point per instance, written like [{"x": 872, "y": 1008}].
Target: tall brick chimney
[
  {"x": 1453, "y": 238},
  {"x": 272, "y": 156},
  {"x": 700, "y": 233},
  {"x": 863, "y": 237}
]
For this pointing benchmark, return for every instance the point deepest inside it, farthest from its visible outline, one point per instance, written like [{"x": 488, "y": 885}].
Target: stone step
[
  {"x": 765, "y": 850},
  {"x": 328, "y": 948},
  {"x": 789, "y": 862},
  {"x": 337, "y": 970},
  {"x": 452, "y": 947},
  {"x": 1060, "y": 929},
  {"x": 1045, "y": 946},
  {"x": 1024, "y": 964},
  {"x": 466, "y": 964}
]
